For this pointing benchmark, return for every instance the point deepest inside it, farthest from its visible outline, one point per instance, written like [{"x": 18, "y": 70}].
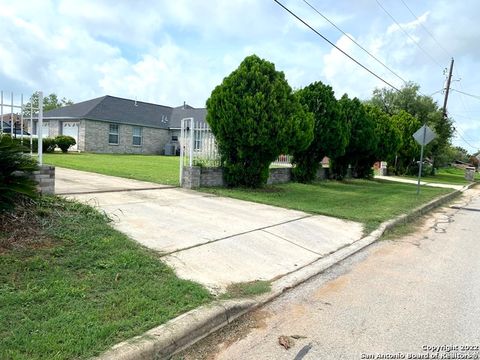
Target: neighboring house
[
  {"x": 7, "y": 121},
  {"x": 7, "y": 125},
  {"x": 114, "y": 125}
]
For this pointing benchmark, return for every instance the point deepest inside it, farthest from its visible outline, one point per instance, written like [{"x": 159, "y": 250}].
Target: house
[
  {"x": 110, "y": 124},
  {"x": 6, "y": 121},
  {"x": 6, "y": 125}
]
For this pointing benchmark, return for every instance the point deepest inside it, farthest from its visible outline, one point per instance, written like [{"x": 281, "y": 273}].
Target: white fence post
[
  {"x": 21, "y": 119},
  {"x": 40, "y": 128},
  {"x": 185, "y": 143},
  {"x": 31, "y": 129},
  {"x": 12, "y": 125},
  {"x": 192, "y": 135}
]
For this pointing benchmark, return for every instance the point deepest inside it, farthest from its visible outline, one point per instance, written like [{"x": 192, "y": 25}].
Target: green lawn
[
  {"x": 369, "y": 202},
  {"x": 450, "y": 175},
  {"x": 154, "y": 168},
  {"x": 77, "y": 286}
]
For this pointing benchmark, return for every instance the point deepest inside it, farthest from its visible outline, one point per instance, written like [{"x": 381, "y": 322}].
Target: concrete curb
[{"x": 177, "y": 334}]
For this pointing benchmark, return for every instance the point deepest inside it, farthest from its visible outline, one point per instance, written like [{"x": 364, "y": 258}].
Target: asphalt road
[{"x": 412, "y": 297}]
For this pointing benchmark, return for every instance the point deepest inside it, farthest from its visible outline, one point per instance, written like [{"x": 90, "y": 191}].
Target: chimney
[{"x": 184, "y": 105}]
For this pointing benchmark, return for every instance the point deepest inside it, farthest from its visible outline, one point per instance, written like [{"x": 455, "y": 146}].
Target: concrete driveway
[{"x": 208, "y": 239}]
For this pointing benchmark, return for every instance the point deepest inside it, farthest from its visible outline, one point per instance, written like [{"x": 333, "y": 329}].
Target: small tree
[
  {"x": 330, "y": 132},
  {"x": 421, "y": 107},
  {"x": 64, "y": 142},
  {"x": 255, "y": 117},
  {"x": 15, "y": 168},
  {"x": 49, "y": 102}
]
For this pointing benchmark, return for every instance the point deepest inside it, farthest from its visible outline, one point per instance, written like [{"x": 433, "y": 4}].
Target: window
[
  {"x": 137, "y": 135},
  {"x": 174, "y": 138},
  {"x": 113, "y": 134}
]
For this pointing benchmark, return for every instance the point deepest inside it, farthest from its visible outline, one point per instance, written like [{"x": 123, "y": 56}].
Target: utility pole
[{"x": 447, "y": 90}]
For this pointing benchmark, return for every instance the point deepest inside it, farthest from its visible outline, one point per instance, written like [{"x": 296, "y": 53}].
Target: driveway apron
[{"x": 212, "y": 240}]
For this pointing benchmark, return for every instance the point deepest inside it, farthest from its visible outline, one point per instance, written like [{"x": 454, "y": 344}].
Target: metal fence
[
  {"x": 282, "y": 161},
  {"x": 198, "y": 147},
  {"x": 15, "y": 130}
]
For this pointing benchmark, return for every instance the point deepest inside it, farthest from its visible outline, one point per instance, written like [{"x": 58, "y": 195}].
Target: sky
[{"x": 168, "y": 52}]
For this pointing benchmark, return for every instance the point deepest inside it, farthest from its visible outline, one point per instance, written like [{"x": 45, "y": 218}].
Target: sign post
[{"x": 423, "y": 136}]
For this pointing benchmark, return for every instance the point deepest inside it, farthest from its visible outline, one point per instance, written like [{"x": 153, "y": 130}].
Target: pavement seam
[
  {"x": 167, "y": 342},
  {"x": 293, "y": 243},
  {"x": 234, "y": 235},
  {"x": 115, "y": 190}
]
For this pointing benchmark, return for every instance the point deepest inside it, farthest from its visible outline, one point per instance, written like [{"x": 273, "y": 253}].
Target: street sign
[{"x": 424, "y": 135}]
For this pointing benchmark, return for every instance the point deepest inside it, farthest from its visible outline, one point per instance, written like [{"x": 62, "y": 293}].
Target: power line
[
  {"x": 466, "y": 142},
  {"x": 440, "y": 46},
  {"x": 448, "y": 54},
  {"x": 456, "y": 127},
  {"x": 436, "y": 92},
  {"x": 426, "y": 30},
  {"x": 335, "y": 46},
  {"x": 408, "y": 35},
  {"x": 353, "y": 40},
  {"x": 465, "y": 93}
]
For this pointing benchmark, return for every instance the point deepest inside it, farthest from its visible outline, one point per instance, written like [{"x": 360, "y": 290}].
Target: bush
[
  {"x": 49, "y": 145},
  {"x": 427, "y": 169},
  {"x": 15, "y": 169},
  {"x": 64, "y": 142},
  {"x": 26, "y": 143},
  {"x": 255, "y": 117}
]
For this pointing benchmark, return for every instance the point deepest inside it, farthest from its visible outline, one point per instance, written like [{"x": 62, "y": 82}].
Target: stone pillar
[
  {"x": 45, "y": 179},
  {"x": 322, "y": 173},
  {"x": 470, "y": 174},
  {"x": 191, "y": 177},
  {"x": 383, "y": 168}
]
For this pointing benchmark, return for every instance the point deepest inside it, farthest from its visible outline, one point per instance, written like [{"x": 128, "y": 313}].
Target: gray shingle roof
[
  {"x": 180, "y": 113},
  {"x": 78, "y": 110},
  {"x": 125, "y": 111}
]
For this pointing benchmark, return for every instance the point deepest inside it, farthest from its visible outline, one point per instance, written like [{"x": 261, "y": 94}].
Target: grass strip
[
  {"x": 153, "y": 168},
  {"x": 365, "y": 201},
  {"x": 246, "y": 289},
  {"x": 451, "y": 175},
  {"x": 82, "y": 286}
]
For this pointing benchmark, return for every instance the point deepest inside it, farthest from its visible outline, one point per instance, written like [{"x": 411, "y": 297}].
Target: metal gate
[{"x": 197, "y": 145}]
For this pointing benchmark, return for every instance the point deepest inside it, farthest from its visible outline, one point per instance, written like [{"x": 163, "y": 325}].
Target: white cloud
[{"x": 170, "y": 51}]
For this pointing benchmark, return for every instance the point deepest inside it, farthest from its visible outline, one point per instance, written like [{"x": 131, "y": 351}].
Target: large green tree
[
  {"x": 50, "y": 102},
  {"x": 330, "y": 134},
  {"x": 388, "y": 135},
  {"x": 363, "y": 140},
  {"x": 255, "y": 117},
  {"x": 421, "y": 107},
  {"x": 410, "y": 149}
]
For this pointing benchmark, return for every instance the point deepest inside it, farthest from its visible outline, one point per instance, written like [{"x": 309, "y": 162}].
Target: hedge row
[{"x": 49, "y": 143}]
